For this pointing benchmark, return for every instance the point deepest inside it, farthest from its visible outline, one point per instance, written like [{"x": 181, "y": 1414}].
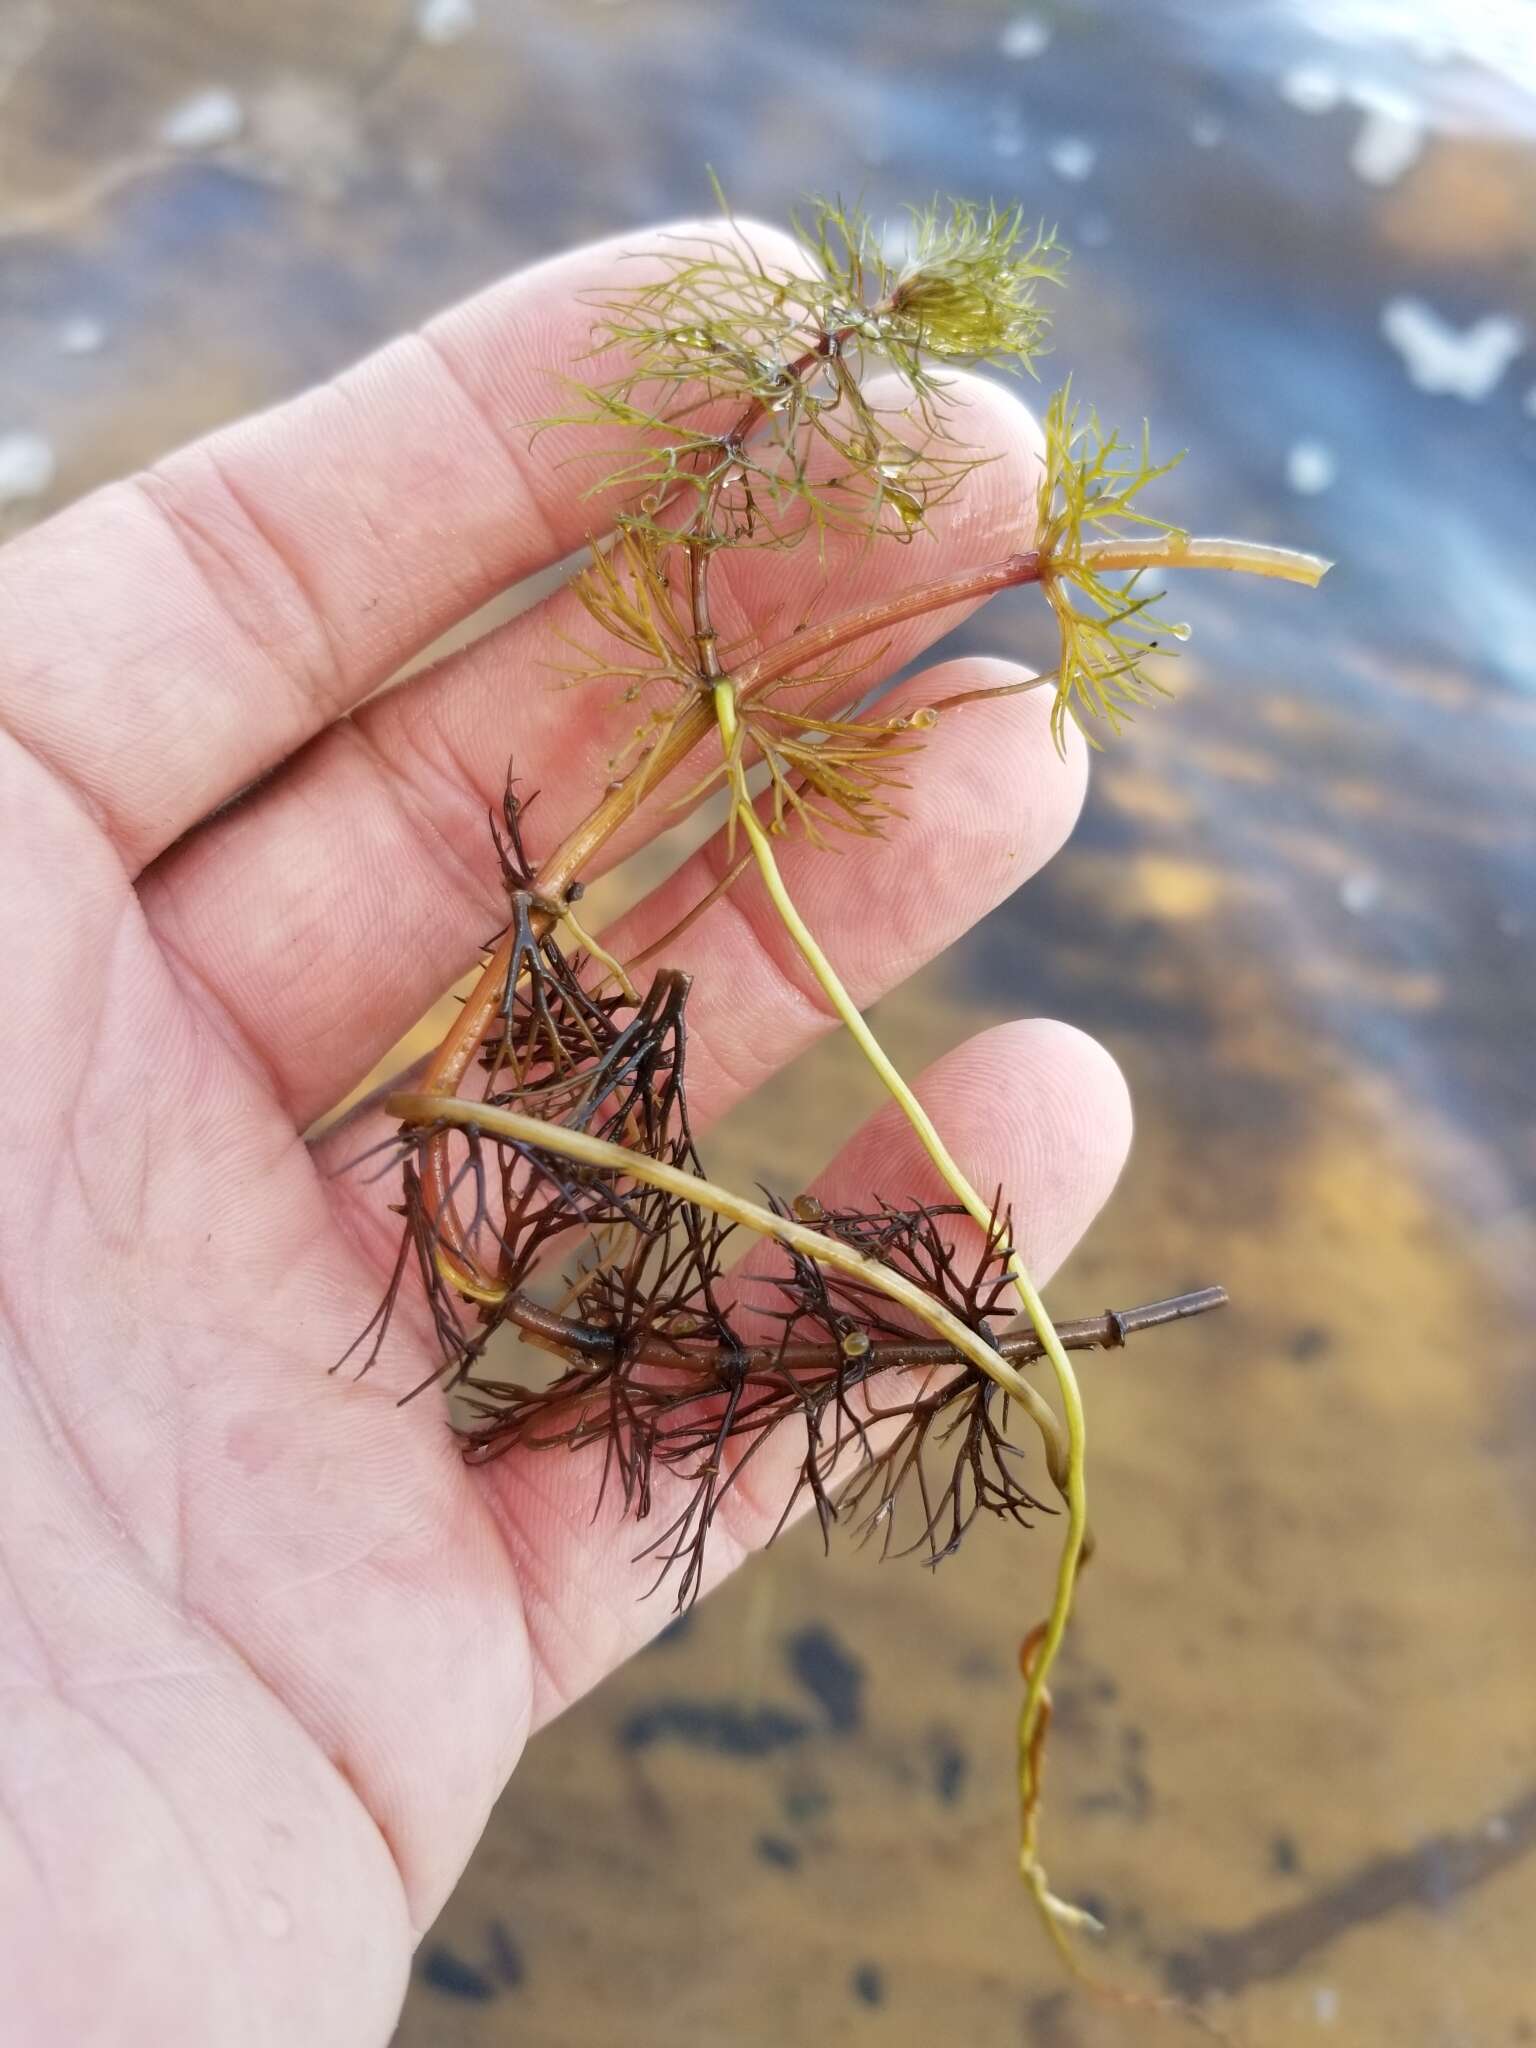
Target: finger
[
  {"x": 324, "y": 915},
  {"x": 173, "y": 636},
  {"x": 1035, "y": 1108},
  {"x": 989, "y": 805}
]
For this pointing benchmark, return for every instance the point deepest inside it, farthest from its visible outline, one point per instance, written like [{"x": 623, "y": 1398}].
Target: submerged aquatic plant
[{"x": 746, "y": 420}]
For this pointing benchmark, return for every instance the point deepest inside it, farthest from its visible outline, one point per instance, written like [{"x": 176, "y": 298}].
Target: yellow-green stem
[
  {"x": 1180, "y": 551},
  {"x": 423, "y": 1109},
  {"x": 1075, "y": 1490}
]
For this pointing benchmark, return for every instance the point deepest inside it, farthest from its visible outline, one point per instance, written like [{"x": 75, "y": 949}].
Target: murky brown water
[{"x": 1297, "y": 1755}]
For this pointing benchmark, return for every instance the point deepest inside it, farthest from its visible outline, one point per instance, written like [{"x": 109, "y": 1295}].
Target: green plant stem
[{"x": 1071, "y": 1482}]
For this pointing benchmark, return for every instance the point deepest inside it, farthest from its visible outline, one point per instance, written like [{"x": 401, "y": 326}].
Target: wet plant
[{"x": 550, "y": 1133}]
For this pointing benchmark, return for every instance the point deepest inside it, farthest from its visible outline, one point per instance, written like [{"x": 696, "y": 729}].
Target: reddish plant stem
[
  {"x": 704, "y": 636},
  {"x": 458, "y": 1049},
  {"x": 968, "y": 586},
  {"x": 827, "y": 344}
]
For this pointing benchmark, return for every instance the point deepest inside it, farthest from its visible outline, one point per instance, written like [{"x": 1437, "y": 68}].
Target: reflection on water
[
  {"x": 1297, "y": 1764},
  {"x": 1438, "y": 62}
]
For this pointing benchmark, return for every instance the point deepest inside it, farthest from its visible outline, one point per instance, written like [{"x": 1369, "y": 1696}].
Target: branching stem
[
  {"x": 1065, "y": 1455},
  {"x": 426, "y": 1110},
  {"x": 457, "y": 1052},
  {"x": 1107, "y": 1332}
]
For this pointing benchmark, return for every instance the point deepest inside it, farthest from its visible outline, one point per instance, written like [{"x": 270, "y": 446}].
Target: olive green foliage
[
  {"x": 746, "y": 379},
  {"x": 823, "y": 769},
  {"x": 964, "y": 289},
  {"x": 748, "y": 416},
  {"x": 1089, "y": 490},
  {"x": 762, "y": 404}
]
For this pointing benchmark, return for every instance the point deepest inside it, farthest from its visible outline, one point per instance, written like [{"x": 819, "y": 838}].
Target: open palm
[{"x": 268, "y": 1650}]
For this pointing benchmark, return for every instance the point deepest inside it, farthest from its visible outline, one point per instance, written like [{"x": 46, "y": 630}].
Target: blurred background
[{"x": 1295, "y": 1768}]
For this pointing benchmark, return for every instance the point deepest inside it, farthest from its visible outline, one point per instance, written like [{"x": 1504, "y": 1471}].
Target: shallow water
[{"x": 1296, "y": 1764}]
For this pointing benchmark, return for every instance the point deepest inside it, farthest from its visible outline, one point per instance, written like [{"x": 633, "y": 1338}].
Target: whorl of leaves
[
  {"x": 665, "y": 1368},
  {"x": 740, "y": 416},
  {"x": 1090, "y": 490}
]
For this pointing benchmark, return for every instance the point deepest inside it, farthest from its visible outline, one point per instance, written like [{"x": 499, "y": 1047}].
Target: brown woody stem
[{"x": 1106, "y": 1332}]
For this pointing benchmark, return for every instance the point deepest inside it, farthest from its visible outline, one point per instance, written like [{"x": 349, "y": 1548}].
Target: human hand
[{"x": 268, "y": 1650}]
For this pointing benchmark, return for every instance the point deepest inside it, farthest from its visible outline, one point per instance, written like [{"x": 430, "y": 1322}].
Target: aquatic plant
[{"x": 552, "y": 1123}]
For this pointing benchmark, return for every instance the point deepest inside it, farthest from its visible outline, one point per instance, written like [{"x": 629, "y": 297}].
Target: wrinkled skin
[{"x": 268, "y": 1651}]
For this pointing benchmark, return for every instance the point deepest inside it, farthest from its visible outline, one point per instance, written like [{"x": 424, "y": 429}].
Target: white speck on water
[
  {"x": 1390, "y": 137},
  {"x": 1073, "y": 158},
  {"x": 1207, "y": 130},
  {"x": 1024, "y": 37},
  {"x": 1325, "y": 2005},
  {"x": 1449, "y": 361},
  {"x": 1429, "y": 42},
  {"x": 28, "y": 466},
  {"x": 273, "y": 1918},
  {"x": 204, "y": 120},
  {"x": 1391, "y": 132},
  {"x": 1094, "y": 230},
  {"x": 444, "y": 21},
  {"x": 81, "y": 335},
  {"x": 1310, "y": 467},
  {"x": 1312, "y": 87},
  {"x": 1360, "y": 894}
]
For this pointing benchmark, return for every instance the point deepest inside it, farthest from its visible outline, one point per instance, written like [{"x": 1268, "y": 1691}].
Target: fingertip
[
  {"x": 992, "y": 418},
  {"x": 1086, "y": 1076},
  {"x": 766, "y": 241},
  {"x": 1075, "y": 1125},
  {"x": 975, "y": 420},
  {"x": 1034, "y": 1108}
]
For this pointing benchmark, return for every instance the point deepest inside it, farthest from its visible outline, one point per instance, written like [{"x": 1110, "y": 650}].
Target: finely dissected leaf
[
  {"x": 838, "y": 773},
  {"x": 783, "y": 354},
  {"x": 1090, "y": 489},
  {"x": 957, "y": 283},
  {"x": 625, "y": 589}
]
